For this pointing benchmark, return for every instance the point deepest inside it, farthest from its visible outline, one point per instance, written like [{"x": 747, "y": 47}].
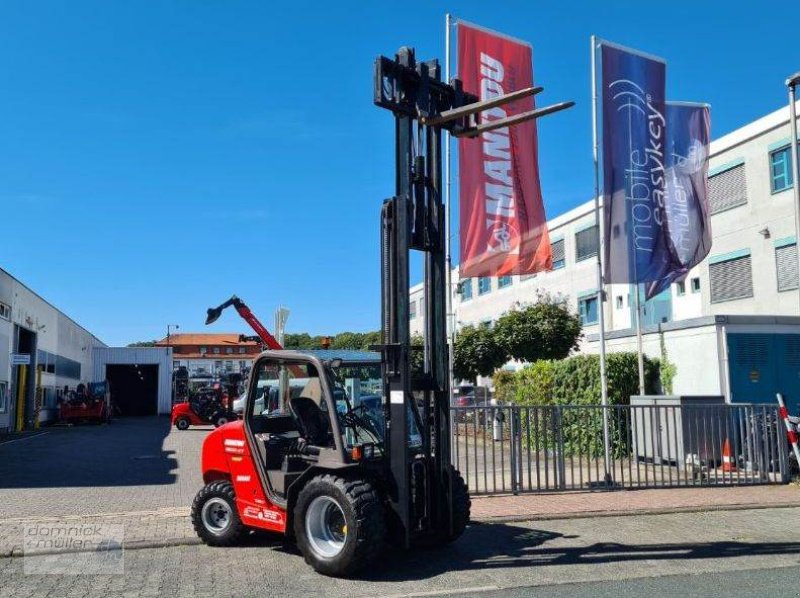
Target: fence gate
[{"x": 513, "y": 449}]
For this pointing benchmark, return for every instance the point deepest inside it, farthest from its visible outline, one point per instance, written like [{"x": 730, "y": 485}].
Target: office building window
[
  {"x": 587, "y": 309},
  {"x": 465, "y": 287},
  {"x": 695, "y": 285},
  {"x": 3, "y": 397},
  {"x": 228, "y": 350},
  {"x": 412, "y": 309},
  {"x": 484, "y": 285},
  {"x": 680, "y": 288},
  {"x": 242, "y": 350},
  {"x": 503, "y": 281},
  {"x": 5, "y": 311},
  {"x": 780, "y": 169},
  {"x": 586, "y": 243},
  {"x": 619, "y": 301},
  {"x": 216, "y": 351},
  {"x": 203, "y": 350},
  {"x": 731, "y": 279},
  {"x": 786, "y": 266},
  {"x": 727, "y": 189},
  {"x": 557, "y": 247}
]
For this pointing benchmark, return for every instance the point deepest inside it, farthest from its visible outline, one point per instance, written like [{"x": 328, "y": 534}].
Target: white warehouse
[
  {"x": 43, "y": 353},
  {"x": 740, "y": 305}
]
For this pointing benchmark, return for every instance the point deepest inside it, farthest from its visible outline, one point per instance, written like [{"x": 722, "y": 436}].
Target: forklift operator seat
[{"x": 313, "y": 423}]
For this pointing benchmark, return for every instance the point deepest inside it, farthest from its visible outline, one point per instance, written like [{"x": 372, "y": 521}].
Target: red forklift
[
  {"x": 325, "y": 470},
  {"x": 208, "y": 406}
]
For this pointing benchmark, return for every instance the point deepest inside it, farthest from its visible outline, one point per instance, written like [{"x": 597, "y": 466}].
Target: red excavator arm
[{"x": 248, "y": 316}]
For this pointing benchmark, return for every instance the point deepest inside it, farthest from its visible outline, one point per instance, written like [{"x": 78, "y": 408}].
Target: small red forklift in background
[
  {"x": 339, "y": 476},
  {"x": 208, "y": 406}
]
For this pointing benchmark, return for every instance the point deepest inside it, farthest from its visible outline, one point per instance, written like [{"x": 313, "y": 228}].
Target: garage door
[{"x": 134, "y": 388}]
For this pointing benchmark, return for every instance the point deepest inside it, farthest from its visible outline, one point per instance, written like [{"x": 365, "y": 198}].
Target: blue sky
[{"x": 157, "y": 157}]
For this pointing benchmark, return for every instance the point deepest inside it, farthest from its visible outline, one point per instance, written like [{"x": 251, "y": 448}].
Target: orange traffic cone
[{"x": 728, "y": 464}]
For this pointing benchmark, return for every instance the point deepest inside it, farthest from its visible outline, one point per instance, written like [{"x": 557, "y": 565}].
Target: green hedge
[{"x": 574, "y": 381}]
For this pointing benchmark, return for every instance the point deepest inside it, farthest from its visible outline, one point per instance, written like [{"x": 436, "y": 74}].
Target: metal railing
[{"x": 544, "y": 448}]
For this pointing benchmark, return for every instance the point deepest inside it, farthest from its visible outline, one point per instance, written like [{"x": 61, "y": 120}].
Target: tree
[
  {"x": 545, "y": 330},
  {"x": 348, "y": 340},
  {"x": 143, "y": 344},
  {"x": 371, "y": 338},
  {"x": 477, "y": 353},
  {"x": 301, "y": 340}
]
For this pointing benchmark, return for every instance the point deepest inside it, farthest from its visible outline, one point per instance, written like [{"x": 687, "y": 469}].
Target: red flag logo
[{"x": 502, "y": 221}]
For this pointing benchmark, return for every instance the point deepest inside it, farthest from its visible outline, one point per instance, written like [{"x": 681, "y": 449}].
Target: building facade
[
  {"x": 211, "y": 355},
  {"x": 42, "y": 352},
  {"x": 752, "y": 270}
]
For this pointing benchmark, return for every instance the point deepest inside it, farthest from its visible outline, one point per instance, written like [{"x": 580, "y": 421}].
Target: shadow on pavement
[
  {"x": 127, "y": 452},
  {"x": 498, "y": 546}
]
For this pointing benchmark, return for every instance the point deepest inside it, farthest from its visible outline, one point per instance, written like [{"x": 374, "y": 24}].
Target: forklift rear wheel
[
  {"x": 339, "y": 524},
  {"x": 214, "y": 514},
  {"x": 182, "y": 423}
]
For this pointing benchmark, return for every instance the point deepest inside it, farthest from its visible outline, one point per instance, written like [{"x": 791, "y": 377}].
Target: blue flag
[
  {"x": 634, "y": 146},
  {"x": 687, "y": 228}
]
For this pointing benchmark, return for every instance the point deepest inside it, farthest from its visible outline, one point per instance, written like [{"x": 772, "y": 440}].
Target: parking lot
[{"x": 130, "y": 465}]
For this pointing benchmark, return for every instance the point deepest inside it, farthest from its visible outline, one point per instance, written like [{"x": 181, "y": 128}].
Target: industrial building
[
  {"x": 44, "y": 353},
  {"x": 732, "y": 326}
]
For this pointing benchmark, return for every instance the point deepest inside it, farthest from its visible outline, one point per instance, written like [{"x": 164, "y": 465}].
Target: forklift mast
[{"x": 420, "y": 491}]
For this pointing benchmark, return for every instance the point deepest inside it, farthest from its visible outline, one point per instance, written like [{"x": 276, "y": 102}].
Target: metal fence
[{"x": 544, "y": 448}]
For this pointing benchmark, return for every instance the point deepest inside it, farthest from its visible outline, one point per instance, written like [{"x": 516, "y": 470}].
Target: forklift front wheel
[
  {"x": 182, "y": 423},
  {"x": 221, "y": 421},
  {"x": 339, "y": 524}
]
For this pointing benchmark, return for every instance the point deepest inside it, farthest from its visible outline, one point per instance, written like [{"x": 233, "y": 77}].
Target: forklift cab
[{"x": 315, "y": 424}]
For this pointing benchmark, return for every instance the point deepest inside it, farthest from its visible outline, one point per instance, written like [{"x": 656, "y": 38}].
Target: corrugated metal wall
[{"x": 160, "y": 356}]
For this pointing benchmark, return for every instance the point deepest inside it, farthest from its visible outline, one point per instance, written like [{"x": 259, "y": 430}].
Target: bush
[{"x": 575, "y": 381}]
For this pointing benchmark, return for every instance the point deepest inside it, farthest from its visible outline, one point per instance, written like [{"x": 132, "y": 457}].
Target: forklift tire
[
  {"x": 182, "y": 423},
  {"x": 221, "y": 420},
  {"x": 461, "y": 514},
  {"x": 461, "y": 505},
  {"x": 214, "y": 515},
  {"x": 339, "y": 524}
]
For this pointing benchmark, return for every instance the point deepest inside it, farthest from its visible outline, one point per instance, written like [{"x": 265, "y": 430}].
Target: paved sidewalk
[
  {"x": 503, "y": 559},
  {"x": 171, "y": 526},
  {"x": 529, "y": 507}
]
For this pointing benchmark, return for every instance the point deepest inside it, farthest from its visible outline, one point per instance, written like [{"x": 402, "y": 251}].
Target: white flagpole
[
  {"x": 639, "y": 349},
  {"x": 448, "y": 225},
  {"x": 600, "y": 289}
]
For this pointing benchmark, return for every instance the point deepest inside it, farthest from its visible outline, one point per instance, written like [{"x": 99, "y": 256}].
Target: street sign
[{"x": 20, "y": 359}]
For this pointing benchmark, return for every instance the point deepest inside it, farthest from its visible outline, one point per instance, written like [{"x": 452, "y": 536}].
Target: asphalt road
[
  {"x": 700, "y": 553},
  {"x": 735, "y": 584}
]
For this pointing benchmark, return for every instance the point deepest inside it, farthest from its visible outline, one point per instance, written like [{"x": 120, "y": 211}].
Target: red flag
[{"x": 503, "y": 225}]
